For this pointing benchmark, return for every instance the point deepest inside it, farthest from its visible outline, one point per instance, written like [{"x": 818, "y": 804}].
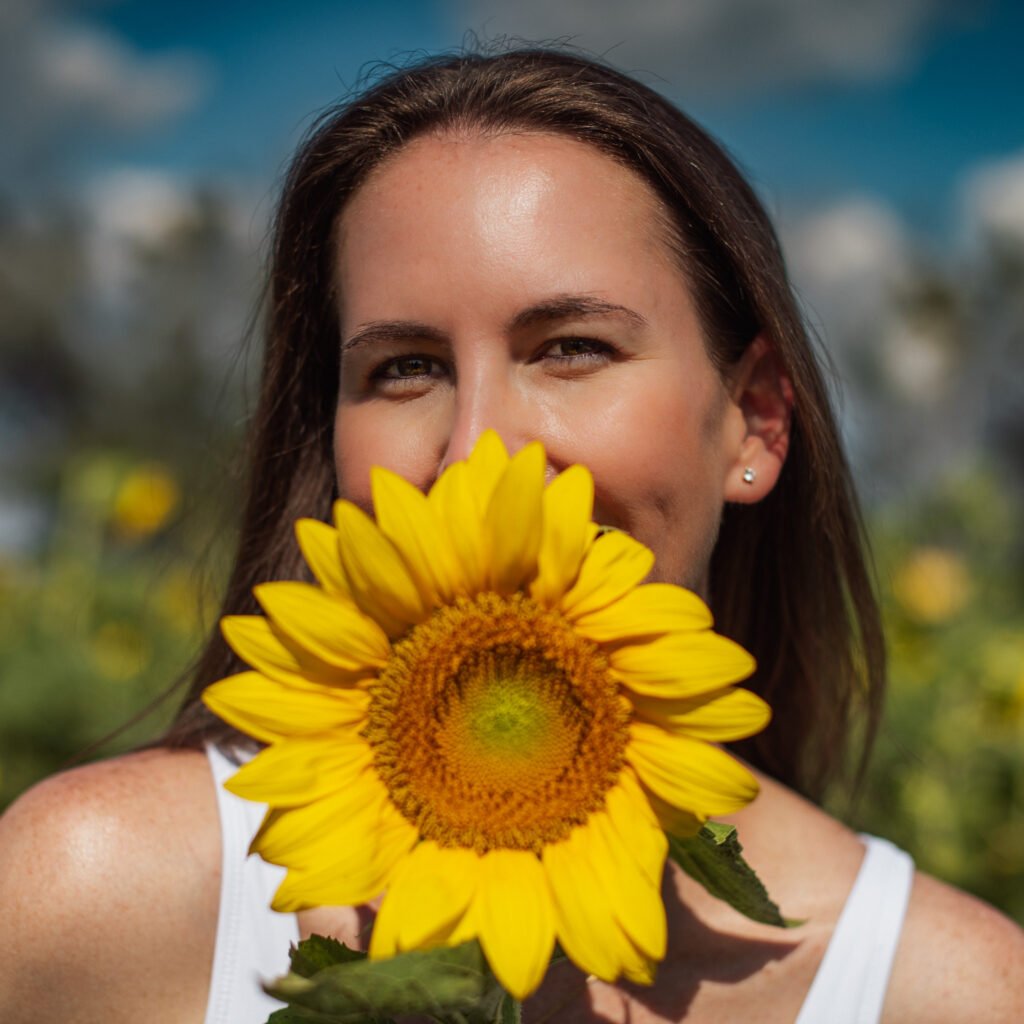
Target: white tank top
[
  {"x": 253, "y": 940},
  {"x": 853, "y": 976}
]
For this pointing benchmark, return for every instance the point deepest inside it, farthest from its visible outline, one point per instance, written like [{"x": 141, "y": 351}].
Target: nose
[{"x": 487, "y": 400}]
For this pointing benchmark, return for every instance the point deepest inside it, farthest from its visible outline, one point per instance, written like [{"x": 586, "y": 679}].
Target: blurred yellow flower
[
  {"x": 184, "y": 604},
  {"x": 483, "y": 710},
  {"x": 932, "y": 585},
  {"x": 145, "y": 501},
  {"x": 119, "y": 650}
]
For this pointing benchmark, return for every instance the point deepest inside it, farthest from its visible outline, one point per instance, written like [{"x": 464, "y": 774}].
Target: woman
[{"x": 535, "y": 244}]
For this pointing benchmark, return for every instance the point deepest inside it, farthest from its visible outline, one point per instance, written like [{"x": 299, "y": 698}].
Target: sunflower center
[{"x": 496, "y": 725}]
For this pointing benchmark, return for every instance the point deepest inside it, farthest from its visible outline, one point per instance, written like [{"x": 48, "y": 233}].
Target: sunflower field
[
  {"x": 100, "y": 621},
  {"x": 946, "y": 781}
]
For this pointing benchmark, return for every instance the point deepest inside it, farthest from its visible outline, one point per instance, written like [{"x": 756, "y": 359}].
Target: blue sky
[
  {"x": 865, "y": 124},
  {"x": 906, "y": 133}
]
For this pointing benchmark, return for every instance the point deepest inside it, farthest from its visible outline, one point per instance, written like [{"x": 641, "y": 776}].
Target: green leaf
[
  {"x": 297, "y": 1015},
  {"x": 714, "y": 857},
  {"x": 319, "y": 951},
  {"x": 510, "y": 1011},
  {"x": 451, "y": 984}
]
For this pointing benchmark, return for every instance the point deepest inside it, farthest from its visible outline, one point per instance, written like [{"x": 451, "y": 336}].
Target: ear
[{"x": 763, "y": 393}]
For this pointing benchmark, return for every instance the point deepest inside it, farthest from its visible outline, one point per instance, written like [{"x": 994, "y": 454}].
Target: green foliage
[
  {"x": 714, "y": 857},
  {"x": 332, "y": 984},
  {"x": 100, "y": 623},
  {"x": 320, "y": 951},
  {"x": 947, "y": 776}
]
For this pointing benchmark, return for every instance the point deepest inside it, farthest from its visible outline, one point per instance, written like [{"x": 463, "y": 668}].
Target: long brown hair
[{"x": 789, "y": 575}]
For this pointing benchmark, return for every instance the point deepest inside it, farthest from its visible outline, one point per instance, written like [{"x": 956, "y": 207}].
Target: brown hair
[{"x": 789, "y": 575}]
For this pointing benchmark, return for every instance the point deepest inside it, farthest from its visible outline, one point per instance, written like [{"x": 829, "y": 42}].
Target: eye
[
  {"x": 406, "y": 375},
  {"x": 578, "y": 350},
  {"x": 408, "y": 367}
]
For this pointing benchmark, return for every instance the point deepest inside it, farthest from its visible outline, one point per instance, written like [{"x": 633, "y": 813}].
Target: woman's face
[{"x": 523, "y": 283}]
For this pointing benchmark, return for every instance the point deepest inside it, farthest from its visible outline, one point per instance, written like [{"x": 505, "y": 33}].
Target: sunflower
[{"x": 481, "y": 711}]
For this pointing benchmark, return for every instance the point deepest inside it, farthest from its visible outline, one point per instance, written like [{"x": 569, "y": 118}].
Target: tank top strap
[
  {"x": 852, "y": 979},
  {"x": 252, "y": 940}
]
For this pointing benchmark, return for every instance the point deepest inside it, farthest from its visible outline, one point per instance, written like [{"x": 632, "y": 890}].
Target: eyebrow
[
  {"x": 391, "y": 330},
  {"x": 568, "y": 307},
  {"x": 560, "y": 307}
]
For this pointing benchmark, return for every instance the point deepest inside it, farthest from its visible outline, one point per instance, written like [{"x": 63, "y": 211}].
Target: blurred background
[{"x": 142, "y": 147}]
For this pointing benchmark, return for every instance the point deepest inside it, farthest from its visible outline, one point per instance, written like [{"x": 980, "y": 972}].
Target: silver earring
[{"x": 749, "y": 476}]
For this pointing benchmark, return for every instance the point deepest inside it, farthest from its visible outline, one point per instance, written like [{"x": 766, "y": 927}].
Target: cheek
[
  {"x": 361, "y": 442},
  {"x": 352, "y": 475},
  {"x": 402, "y": 438},
  {"x": 660, "y": 475}
]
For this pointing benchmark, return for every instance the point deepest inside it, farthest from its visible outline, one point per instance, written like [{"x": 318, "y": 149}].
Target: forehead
[
  {"x": 506, "y": 154},
  {"x": 540, "y": 196}
]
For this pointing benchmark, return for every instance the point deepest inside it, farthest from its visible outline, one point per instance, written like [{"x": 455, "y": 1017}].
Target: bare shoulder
[
  {"x": 959, "y": 959},
  {"x": 112, "y": 873},
  {"x": 807, "y": 858}
]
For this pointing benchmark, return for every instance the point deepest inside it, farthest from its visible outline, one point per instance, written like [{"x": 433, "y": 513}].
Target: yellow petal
[
  {"x": 512, "y": 525},
  {"x": 647, "y": 611},
  {"x": 302, "y": 837},
  {"x": 463, "y": 929},
  {"x": 635, "y": 900},
  {"x": 630, "y": 813},
  {"x": 719, "y": 716},
  {"x": 408, "y": 520},
  {"x": 333, "y": 630},
  {"x": 614, "y": 564},
  {"x": 681, "y": 665},
  {"x": 636, "y": 967},
  {"x": 584, "y": 921},
  {"x": 384, "y": 937},
  {"x": 455, "y": 506},
  {"x": 687, "y": 773},
  {"x": 354, "y": 876},
  {"x": 673, "y": 820},
  {"x": 568, "y": 504},
  {"x": 516, "y": 919},
  {"x": 318, "y": 543},
  {"x": 434, "y": 889},
  {"x": 267, "y": 649},
  {"x": 267, "y": 710},
  {"x": 299, "y": 771},
  {"x": 485, "y": 465},
  {"x": 381, "y": 582}
]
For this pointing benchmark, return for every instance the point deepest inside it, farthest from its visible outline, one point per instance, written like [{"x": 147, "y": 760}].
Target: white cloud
[
  {"x": 22, "y": 523},
  {"x": 128, "y": 212},
  {"x": 138, "y": 206},
  {"x": 857, "y": 238},
  {"x": 724, "y": 46},
  {"x": 845, "y": 261},
  {"x": 92, "y": 71},
  {"x": 65, "y": 83},
  {"x": 161, "y": 254},
  {"x": 918, "y": 364},
  {"x": 993, "y": 197}
]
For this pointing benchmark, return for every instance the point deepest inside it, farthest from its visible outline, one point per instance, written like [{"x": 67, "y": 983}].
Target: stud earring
[{"x": 749, "y": 476}]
